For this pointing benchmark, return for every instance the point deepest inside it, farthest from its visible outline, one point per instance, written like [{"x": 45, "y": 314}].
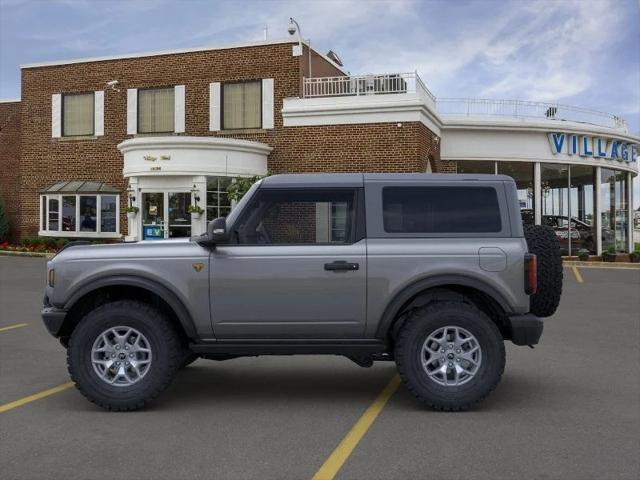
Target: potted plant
[
  {"x": 610, "y": 255},
  {"x": 195, "y": 211},
  {"x": 132, "y": 212},
  {"x": 635, "y": 255},
  {"x": 583, "y": 254}
]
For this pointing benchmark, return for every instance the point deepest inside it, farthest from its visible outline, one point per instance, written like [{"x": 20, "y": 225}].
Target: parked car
[{"x": 433, "y": 272}]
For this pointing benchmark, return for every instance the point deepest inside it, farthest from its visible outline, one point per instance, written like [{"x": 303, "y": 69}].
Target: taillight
[{"x": 530, "y": 274}]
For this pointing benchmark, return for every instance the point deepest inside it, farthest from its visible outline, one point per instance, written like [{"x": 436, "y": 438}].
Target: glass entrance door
[
  {"x": 179, "y": 218},
  {"x": 164, "y": 215},
  {"x": 153, "y": 215}
]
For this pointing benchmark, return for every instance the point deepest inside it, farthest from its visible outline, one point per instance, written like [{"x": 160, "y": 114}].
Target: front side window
[
  {"x": 156, "y": 110},
  {"x": 441, "y": 210},
  {"x": 300, "y": 217},
  {"x": 78, "y": 114},
  {"x": 242, "y": 105}
]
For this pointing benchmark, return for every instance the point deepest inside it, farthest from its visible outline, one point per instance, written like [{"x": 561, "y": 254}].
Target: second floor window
[
  {"x": 77, "y": 114},
  {"x": 242, "y": 105},
  {"x": 156, "y": 110}
]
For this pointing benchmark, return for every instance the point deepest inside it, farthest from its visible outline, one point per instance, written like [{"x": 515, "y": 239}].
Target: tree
[
  {"x": 4, "y": 222},
  {"x": 241, "y": 185}
]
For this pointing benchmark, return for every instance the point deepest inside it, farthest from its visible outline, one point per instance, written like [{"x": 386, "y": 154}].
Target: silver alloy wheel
[
  {"x": 451, "y": 356},
  {"x": 121, "y": 356}
]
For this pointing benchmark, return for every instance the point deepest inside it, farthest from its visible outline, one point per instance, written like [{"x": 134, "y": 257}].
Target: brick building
[{"x": 165, "y": 130}]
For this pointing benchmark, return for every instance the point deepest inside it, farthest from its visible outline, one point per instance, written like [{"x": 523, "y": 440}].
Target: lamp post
[{"x": 293, "y": 28}]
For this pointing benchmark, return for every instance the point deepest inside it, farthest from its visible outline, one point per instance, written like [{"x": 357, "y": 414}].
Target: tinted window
[
  {"x": 440, "y": 210},
  {"x": 280, "y": 217}
]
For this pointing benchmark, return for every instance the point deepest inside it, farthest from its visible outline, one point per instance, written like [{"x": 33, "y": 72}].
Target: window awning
[{"x": 80, "y": 186}]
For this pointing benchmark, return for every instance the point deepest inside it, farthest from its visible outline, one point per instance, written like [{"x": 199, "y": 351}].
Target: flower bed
[{"x": 41, "y": 245}]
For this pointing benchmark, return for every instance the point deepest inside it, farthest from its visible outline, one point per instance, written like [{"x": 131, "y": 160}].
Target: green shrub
[{"x": 583, "y": 254}]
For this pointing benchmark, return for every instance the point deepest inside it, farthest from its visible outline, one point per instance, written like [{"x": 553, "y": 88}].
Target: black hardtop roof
[{"x": 358, "y": 179}]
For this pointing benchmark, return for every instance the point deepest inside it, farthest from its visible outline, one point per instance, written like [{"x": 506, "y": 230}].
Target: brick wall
[
  {"x": 339, "y": 148},
  {"x": 10, "y": 162}
]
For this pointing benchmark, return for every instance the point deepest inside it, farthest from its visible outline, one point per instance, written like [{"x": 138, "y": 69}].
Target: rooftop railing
[
  {"x": 398, "y": 83},
  {"x": 356, "y": 85},
  {"x": 478, "y": 107}
]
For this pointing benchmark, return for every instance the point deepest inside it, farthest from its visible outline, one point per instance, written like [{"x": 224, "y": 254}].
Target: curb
[
  {"x": 11, "y": 253},
  {"x": 611, "y": 265}
]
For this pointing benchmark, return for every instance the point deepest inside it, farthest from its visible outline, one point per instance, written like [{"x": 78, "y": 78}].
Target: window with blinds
[
  {"x": 242, "y": 105},
  {"x": 77, "y": 114},
  {"x": 156, "y": 110}
]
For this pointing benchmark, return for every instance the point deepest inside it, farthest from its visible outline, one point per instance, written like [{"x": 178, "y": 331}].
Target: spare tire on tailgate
[{"x": 543, "y": 242}]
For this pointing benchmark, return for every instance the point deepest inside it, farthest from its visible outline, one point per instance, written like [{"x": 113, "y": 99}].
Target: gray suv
[{"x": 431, "y": 271}]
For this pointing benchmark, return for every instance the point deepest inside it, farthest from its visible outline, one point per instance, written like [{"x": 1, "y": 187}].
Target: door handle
[{"x": 341, "y": 266}]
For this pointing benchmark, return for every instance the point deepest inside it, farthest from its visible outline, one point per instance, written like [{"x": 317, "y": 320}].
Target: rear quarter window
[{"x": 441, "y": 209}]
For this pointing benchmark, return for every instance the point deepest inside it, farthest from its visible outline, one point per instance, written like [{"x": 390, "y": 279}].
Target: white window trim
[
  {"x": 215, "y": 112},
  {"x": 132, "y": 111},
  {"x": 98, "y": 113},
  {"x": 179, "y": 109},
  {"x": 56, "y": 115},
  {"x": 44, "y": 225},
  {"x": 268, "y": 109}
]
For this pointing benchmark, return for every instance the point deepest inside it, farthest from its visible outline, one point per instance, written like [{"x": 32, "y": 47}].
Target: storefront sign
[{"x": 588, "y": 146}]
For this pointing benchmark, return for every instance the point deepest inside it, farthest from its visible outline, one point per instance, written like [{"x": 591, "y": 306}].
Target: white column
[
  {"x": 537, "y": 193},
  {"x": 199, "y": 226},
  {"x": 134, "y": 222},
  {"x": 598, "y": 212}
]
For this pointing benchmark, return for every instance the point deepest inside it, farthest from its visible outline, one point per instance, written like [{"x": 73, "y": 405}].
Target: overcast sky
[{"x": 578, "y": 52}]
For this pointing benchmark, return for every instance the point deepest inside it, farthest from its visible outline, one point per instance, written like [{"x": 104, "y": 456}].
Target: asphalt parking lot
[{"x": 569, "y": 409}]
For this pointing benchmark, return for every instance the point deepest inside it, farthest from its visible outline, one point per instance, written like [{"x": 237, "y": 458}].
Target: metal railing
[
  {"x": 525, "y": 109},
  {"x": 356, "y": 85}
]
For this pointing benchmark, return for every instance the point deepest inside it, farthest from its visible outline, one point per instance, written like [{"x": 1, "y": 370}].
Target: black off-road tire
[
  {"x": 408, "y": 355},
  {"x": 166, "y": 348},
  {"x": 543, "y": 242}
]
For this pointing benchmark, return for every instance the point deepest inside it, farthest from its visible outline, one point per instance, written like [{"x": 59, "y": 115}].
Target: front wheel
[
  {"x": 450, "y": 355},
  {"x": 123, "y": 354}
]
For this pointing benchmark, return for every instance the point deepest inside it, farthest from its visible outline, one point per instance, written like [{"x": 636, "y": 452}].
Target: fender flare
[
  {"x": 413, "y": 289},
  {"x": 183, "y": 315}
]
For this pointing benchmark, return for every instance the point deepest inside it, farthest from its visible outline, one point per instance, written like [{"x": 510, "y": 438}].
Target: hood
[{"x": 144, "y": 249}]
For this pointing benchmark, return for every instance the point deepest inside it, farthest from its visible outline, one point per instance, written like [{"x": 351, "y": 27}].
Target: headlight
[{"x": 52, "y": 277}]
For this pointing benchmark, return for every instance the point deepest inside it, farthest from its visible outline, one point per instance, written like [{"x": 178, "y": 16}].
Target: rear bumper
[
  {"x": 53, "y": 319},
  {"x": 526, "y": 329}
]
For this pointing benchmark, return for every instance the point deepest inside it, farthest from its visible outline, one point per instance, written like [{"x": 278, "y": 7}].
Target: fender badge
[{"x": 197, "y": 266}]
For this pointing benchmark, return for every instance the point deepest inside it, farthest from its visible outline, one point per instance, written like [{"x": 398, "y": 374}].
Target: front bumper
[
  {"x": 53, "y": 319},
  {"x": 526, "y": 329}
]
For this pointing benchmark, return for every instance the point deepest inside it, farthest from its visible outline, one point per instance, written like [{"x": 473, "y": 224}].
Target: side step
[{"x": 350, "y": 348}]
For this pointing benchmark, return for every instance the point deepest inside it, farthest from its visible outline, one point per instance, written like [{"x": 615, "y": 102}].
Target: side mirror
[{"x": 217, "y": 230}]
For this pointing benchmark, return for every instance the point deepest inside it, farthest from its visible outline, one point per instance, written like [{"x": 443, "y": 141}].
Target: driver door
[{"x": 296, "y": 267}]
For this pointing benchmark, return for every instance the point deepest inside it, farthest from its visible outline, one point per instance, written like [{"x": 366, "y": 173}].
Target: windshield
[{"x": 231, "y": 218}]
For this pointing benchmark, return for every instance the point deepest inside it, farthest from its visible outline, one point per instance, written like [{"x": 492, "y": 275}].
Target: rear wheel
[
  {"x": 543, "y": 242},
  {"x": 450, "y": 355},
  {"x": 123, "y": 354}
]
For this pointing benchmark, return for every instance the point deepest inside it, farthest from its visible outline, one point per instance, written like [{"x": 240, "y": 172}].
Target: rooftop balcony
[
  {"x": 410, "y": 83},
  {"x": 368, "y": 85},
  {"x": 478, "y": 107}
]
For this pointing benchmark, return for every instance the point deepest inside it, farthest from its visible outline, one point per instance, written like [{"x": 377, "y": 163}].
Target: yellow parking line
[
  {"x": 36, "y": 396},
  {"x": 577, "y": 274},
  {"x": 334, "y": 463},
  {"x": 11, "y": 327}
]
